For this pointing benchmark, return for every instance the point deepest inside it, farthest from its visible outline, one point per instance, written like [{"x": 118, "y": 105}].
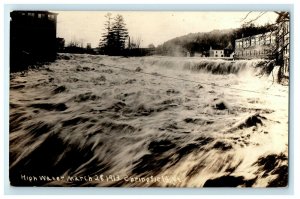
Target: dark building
[{"x": 32, "y": 38}]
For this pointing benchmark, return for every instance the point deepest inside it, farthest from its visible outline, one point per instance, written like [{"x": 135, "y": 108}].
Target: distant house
[
  {"x": 216, "y": 53},
  {"x": 32, "y": 38}
]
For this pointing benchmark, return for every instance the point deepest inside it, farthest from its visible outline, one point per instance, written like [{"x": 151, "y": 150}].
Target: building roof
[
  {"x": 216, "y": 49},
  {"x": 229, "y": 47},
  {"x": 258, "y": 35},
  {"x": 34, "y": 11}
]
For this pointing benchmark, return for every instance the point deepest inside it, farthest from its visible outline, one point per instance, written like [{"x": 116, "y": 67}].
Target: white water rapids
[{"x": 88, "y": 120}]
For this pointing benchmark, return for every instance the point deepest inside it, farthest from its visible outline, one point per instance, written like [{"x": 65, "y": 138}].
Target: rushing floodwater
[{"x": 89, "y": 121}]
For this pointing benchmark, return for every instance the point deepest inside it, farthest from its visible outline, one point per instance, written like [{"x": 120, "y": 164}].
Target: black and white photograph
[{"x": 149, "y": 98}]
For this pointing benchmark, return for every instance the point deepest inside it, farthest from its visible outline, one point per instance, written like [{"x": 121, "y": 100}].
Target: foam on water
[
  {"x": 84, "y": 115},
  {"x": 214, "y": 66}
]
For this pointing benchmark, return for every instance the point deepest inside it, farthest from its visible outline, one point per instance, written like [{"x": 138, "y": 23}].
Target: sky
[{"x": 150, "y": 26}]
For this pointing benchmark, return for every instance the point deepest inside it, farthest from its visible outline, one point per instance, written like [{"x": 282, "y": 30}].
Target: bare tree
[
  {"x": 73, "y": 43},
  {"x": 135, "y": 42},
  {"x": 253, "y": 19}
]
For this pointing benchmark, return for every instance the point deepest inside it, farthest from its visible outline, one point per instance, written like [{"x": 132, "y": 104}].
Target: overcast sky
[{"x": 151, "y": 27}]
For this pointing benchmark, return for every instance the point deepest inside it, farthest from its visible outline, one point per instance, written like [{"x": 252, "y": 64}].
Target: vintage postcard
[{"x": 149, "y": 99}]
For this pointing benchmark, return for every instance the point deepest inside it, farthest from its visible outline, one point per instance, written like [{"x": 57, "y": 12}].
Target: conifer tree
[{"x": 115, "y": 35}]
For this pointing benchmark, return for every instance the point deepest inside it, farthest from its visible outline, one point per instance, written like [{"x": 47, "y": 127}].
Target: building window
[
  {"x": 285, "y": 28},
  {"x": 273, "y": 39},
  {"x": 257, "y": 40},
  {"x": 247, "y": 44},
  {"x": 286, "y": 49},
  {"x": 262, "y": 40},
  {"x": 39, "y": 16},
  {"x": 253, "y": 41},
  {"x": 287, "y": 65}
]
